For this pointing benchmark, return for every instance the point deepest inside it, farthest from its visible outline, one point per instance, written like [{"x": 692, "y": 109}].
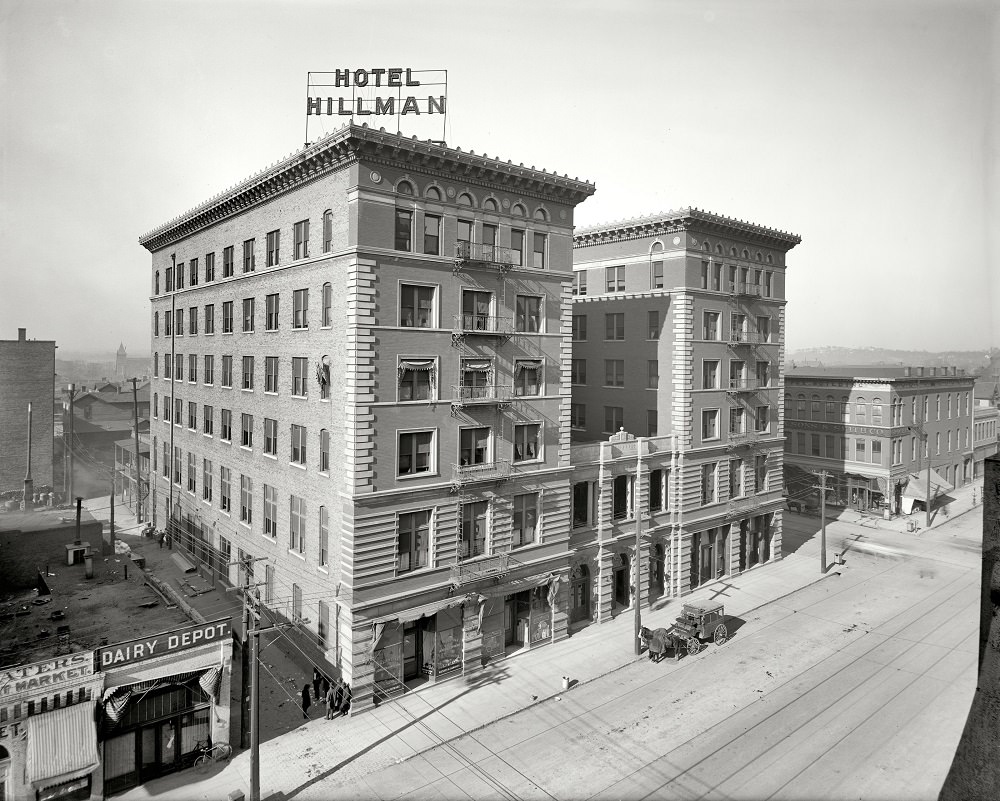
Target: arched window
[
  {"x": 327, "y": 318},
  {"x": 707, "y": 247},
  {"x": 758, "y": 255},
  {"x": 831, "y": 409},
  {"x": 156, "y": 405},
  {"x": 656, "y": 248},
  {"x": 518, "y": 210},
  {"x": 746, "y": 253},
  {"x": 327, "y": 231},
  {"x": 404, "y": 188},
  {"x": 719, "y": 250},
  {"x": 541, "y": 215},
  {"x": 732, "y": 251},
  {"x": 433, "y": 193},
  {"x": 770, "y": 259},
  {"x": 490, "y": 204},
  {"x": 817, "y": 408},
  {"x": 801, "y": 407},
  {"x": 156, "y": 283},
  {"x": 876, "y": 411},
  {"x": 860, "y": 410},
  {"x": 324, "y": 451},
  {"x": 156, "y": 324},
  {"x": 465, "y": 199},
  {"x": 789, "y": 408}
]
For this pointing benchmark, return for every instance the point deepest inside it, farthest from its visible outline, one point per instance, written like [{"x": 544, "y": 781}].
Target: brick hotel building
[{"x": 361, "y": 363}]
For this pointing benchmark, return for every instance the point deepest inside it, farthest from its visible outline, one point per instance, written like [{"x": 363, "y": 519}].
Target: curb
[{"x": 549, "y": 697}]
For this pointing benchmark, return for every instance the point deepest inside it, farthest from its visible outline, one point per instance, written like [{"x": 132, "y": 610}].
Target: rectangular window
[
  {"x": 657, "y": 484},
  {"x": 324, "y": 451},
  {"x": 247, "y": 428},
  {"x": 270, "y": 511},
  {"x": 579, "y": 328},
  {"x": 227, "y": 371},
  {"x": 170, "y": 279},
  {"x": 301, "y": 231},
  {"x": 225, "y": 501},
  {"x": 249, "y": 260},
  {"x": 300, "y": 376},
  {"x": 474, "y": 446},
  {"x": 179, "y": 275},
  {"x": 735, "y": 478},
  {"x": 525, "y": 519},
  {"x": 652, "y": 373},
  {"x": 404, "y": 228},
  {"x": 614, "y": 419},
  {"x": 736, "y": 420},
  {"x": 877, "y": 451},
  {"x": 178, "y": 411},
  {"x": 227, "y": 262},
  {"x": 578, "y": 372},
  {"x": 209, "y": 370},
  {"x": 271, "y": 374},
  {"x": 710, "y": 374},
  {"x": 473, "y": 531},
  {"x": 709, "y": 475},
  {"x": 271, "y": 312},
  {"x": 166, "y": 460},
  {"x": 763, "y": 418},
  {"x": 298, "y": 455},
  {"x": 210, "y": 318},
  {"x": 248, "y": 308},
  {"x": 193, "y": 368},
  {"x": 179, "y": 322},
  {"x": 248, "y": 372},
  {"x": 528, "y": 313},
  {"x": 814, "y": 443},
  {"x": 463, "y": 236},
  {"x": 710, "y": 424},
  {"x": 760, "y": 472},
  {"x": 764, "y": 329},
  {"x": 327, "y": 231},
  {"x": 416, "y": 379},
  {"x": 415, "y": 453},
  {"x": 580, "y": 282},
  {"x": 193, "y": 275},
  {"x": 432, "y": 235},
  {"x": 578, "y": 415},
  {"x": 652, "y": 325},
  {"x": 412, "y": 541},
  {"x": 193, "y": 320},
  {"x": 490, "y": 242},
  {"x": 209, "y": 267},
  {"x": 192, "y": 415},
  {"x": 206, "y": 480},
  {"x": 614, "y": 279},
  {"x": 270, "y": 436},
  {"x": 179, "y": 366},
  {"x": 517, "y": 246},
  {"x": 538, "y": 251},
  {"x": 651, "y": 423},
  {"x": 324, "y": 537},
  {"x": 246, "y": 500},
  {"x": 208, "y": 420},
  {"x": 711, "y": 326},
  {"x": 226, "y": 426},
  {"x": 192, "y": 477},
  {"x": 167, "y": 366},
  {"x": 764, "y": 376},
  {"x": 167, "y": 323},
  {"x": 227, "y": 317},
  {"x": 300, "y": 308},
  {"x": 166, "y": 407},
  {"x": 614, "y": 372},
  {"x": 326, "y": 313},
  {"x": 656, "y": 277},
  {"x": 416, "y": 306},
  {"x": 297, "y": 524},
  {"x": 614, "y": 326},
  {"x": 861, "y": 448},
  {"x": 581, "y": 504}
]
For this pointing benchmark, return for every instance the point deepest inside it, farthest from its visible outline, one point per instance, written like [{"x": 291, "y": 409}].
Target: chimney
[
  {"x": 934, "y": 371},
  {"x": 907, "y": 372},
  {"x": 22, "y": 334},
  {"x": 954, "y": 370},
  {"x": 920, "y": 371}
]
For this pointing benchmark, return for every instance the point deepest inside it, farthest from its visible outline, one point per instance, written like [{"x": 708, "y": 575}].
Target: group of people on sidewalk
[{"x": 335, "y": 695}]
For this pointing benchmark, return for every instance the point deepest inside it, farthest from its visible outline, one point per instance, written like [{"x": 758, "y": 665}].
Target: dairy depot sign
[{"x": 169, "y": 642}]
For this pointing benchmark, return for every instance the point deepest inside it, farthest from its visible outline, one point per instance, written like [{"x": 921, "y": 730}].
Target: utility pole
[
  {"x": 637, "y": 500},
  {"x": 928, "y": 504},
  {"x": 248, "y": 652},
  {"x": 112, "y": 513},
  {"x": 138, "y": 478},
  {"x": 29, "y": 486},
  {"x": 822, "y": 521},
  {"x": 71, "y": 391}
]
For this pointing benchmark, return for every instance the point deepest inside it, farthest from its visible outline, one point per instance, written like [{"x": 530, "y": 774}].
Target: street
[{"x": 855, "y": 687}]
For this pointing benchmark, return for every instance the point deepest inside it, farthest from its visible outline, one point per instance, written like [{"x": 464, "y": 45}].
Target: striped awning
[
  {"x": 527, "y": 364},
  {"x": 116, "y": 699},
  {"x": 477, "y": 365},
  {"x": 62, "y": 745}
]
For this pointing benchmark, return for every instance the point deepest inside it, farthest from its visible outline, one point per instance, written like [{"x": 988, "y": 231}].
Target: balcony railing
[
  {"x": 480, "y": 395},
  {"x": 484, "y": 324},
  {"x": 476, "y": 254},
  {"x": 743, "y": 289},
  {"x": 746, "y": 338},
  {"x": 480, "y": 568},
  {"x": 465, "y": 474},
  {"x": 743, "y": 385}
]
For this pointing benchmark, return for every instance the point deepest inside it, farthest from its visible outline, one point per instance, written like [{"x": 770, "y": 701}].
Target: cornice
[
  {"x": 684, "y": 219},
  {"x": 352, "y": 144}
]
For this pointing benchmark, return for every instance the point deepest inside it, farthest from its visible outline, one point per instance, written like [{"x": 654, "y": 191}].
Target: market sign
[
  {"x": 48, "y": 674},
  {"x": 169, "y": 642},
  {"x": 366, "y": 95}
]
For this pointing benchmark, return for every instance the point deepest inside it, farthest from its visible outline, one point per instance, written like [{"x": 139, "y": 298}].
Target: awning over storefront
[
  {"x": 408, "y": 615},
  {"x": 62, "y": 745},
  {"x": 116, "y": 699},
  {"x": 517, "y": 585},
  {"x": 916, "y": 486}
]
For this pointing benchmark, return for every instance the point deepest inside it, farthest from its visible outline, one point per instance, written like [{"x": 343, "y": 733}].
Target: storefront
[
  {"x": 165, "y": 696},
  {"x": 48, "y": 735}
]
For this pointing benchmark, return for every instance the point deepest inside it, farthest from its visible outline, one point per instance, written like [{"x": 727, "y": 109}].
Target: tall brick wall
[{"x": 27, "y": 375}]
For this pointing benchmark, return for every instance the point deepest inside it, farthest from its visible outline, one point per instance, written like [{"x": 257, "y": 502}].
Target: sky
[{"x": 868, "y": 128}]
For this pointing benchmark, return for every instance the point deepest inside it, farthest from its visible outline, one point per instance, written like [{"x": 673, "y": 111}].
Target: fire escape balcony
[
  {"x": 743, "y": 439},
  {"x": 476, "y": 254},
  {"x": 738, "y": 338},
  {"x": 741, "y": 289},
  {"x": 481, "y": 325},
  {"x": 481, "y": 567},
  {"x": 744, "y": 504},
  {"x": 485, "y": 395},
  {"x": 463, "y": 475},
  {"x": 739, "y": 385}
]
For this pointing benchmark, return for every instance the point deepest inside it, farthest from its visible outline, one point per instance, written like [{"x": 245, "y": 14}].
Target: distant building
[
  {"x": 876, "y": 431},
  {"x": 27, "y": 375},
  {"x": 121, "y": 362},
  {"x": 986, "y": 424}
]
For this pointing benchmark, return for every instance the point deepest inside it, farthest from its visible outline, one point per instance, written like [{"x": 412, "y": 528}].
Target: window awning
[
  {"x": 116, "y": 699},
  {"x": 916, "y": 487},
  {"x": 477, "y": 365},
  {"x": 62, "y": 745},
  {"x": 527, "y": 364},
  {"x": 416, "y": 364},
  {"x": 425, "y": 610},
  {"x": 517, "y": 585}
]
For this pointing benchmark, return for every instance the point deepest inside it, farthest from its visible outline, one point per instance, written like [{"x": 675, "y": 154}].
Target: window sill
[
  {"x": 300, "y": 397},
  {"x": 226, "y": 441},
  {"x": 248, "y": 524},
  {"x": 298, "y": 465},
  {"x": 226, "y": 512},
  {"x": 206, "y": 501},
  {"x": 271, "y": 392},
  {"x": 270, "y": 330},
  {"x": 209, "y": 383},
  {"x": 246, "y": 389},
  {"x": 297, "y": 554},
  {"x": 424, "y": 474},
  {"x": 247, "y": 448},
  {"x": 270, "y": 456},
  {"x": 519, "y": 462}
]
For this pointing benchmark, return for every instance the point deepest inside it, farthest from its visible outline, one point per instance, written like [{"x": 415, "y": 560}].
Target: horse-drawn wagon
[{"x": 696, "y": 623}]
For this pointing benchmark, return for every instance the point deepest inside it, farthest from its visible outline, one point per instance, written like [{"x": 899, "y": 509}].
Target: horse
[{"x": 656, "y": 642}]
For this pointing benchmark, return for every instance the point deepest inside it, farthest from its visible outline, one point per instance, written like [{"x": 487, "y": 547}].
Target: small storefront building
[
  {"x": 48, "y": 735},
  {"x": 165, "y": 696}
]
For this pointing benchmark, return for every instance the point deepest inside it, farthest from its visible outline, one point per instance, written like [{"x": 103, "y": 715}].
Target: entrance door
[
  {"x": 622, "y": 582},
  {"x": 705, "y": 559},
  {"x": 412, "y": 650},
  {"x": 149, "y": 765},
  {"x": 168, "y": 746},
  {"x": 580, "y": 595},
  {"x": 658, "y": 576}
]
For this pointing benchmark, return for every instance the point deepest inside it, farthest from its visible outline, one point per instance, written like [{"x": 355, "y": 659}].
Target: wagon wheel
[
  {"x": 721, "y": 635},
  {"x": 694, "y": 645}
]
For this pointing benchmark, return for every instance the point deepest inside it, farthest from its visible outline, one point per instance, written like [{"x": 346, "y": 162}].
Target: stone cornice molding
[
  {"x": 352, "y": 144},
  {"x": 684, "y": 219}
]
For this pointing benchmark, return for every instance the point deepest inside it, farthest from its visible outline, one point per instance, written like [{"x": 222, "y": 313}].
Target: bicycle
[{"x": 210, "y": 754}]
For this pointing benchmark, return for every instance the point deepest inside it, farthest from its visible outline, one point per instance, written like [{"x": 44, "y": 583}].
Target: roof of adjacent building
[
  {"x": 680, "y": 220},
  {"x": 986, "y": 388},
  {"x": 352, "y": 143},
  {"x": 873, "y": 372}
]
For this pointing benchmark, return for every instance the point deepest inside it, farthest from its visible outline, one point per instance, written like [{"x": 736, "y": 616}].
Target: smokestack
[
  {"x": 22, "y": 334},
  {"x": 934, "y": 371},
  {"x": 29, "y": 487},
  {"x": 907, "y": 372},
  {"x": 920, "y": 372}
]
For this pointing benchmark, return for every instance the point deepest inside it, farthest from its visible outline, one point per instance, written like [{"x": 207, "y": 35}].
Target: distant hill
[{"x": 833, "y": 355}]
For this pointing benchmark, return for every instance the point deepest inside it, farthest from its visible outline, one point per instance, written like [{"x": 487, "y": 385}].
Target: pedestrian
[
  {"x": 338, "y": 696},
  {"x": 325, "y": 686},
  {"x": 160, "y": 538},
  {"x": 345, "y": 705},
  {"x": 945, "y": 510},
  {"x": 305, "y": 700},
  {"x": 331, "y": 699},
  {"x": 317, "y": 678}
]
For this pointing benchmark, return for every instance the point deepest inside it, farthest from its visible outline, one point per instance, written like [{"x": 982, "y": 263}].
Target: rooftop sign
[
  {"x": 50, "y": 674},
  {"x": 123, "y": 653}
]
